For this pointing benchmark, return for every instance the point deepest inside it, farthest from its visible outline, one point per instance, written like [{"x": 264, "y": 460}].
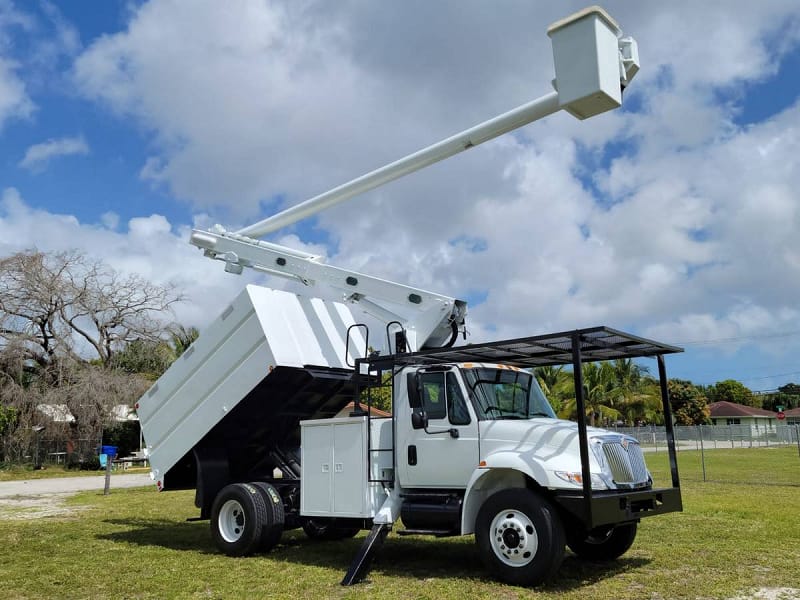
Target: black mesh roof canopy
[{"x": 596, "y": 343}]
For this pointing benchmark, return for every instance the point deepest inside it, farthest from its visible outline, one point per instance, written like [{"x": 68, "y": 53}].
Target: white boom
[
  {"x": 593, "y": 63},
  {"x": 436, "y": 320}
]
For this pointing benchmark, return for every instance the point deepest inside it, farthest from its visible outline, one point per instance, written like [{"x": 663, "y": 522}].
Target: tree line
[
  {"x": 77, "y": 339},
  {"x": 623, "y": 392}
]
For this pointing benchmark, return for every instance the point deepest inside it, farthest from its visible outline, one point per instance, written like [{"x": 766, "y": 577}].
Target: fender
[{"x": 502, "y": 470}]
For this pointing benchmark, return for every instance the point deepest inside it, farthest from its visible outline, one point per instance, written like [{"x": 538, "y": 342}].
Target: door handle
[{"x": 412, "y": 455}]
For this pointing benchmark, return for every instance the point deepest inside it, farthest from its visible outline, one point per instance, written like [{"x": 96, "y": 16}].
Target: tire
[
  {"x": 520, "y": 537},
  {"x": 603, "y": 543},
  {"x": 275, "y": 517},
  {"x": 238, "y": 516},
  {"x": 325, "y": 529}
]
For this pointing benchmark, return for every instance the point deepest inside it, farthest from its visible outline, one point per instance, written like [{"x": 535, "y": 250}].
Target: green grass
[
  {"x": 731, "y": 539},
  {"x": 754, "y": 466},
  {"x": 20, "y": 472}
]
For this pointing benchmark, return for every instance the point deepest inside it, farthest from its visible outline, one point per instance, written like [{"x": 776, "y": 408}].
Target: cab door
[{"x": 442, "y": 452}]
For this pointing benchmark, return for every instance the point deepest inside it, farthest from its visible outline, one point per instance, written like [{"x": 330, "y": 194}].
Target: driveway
[
  {"x": 38, "y": 498},
  {"x": 70, "y": 485}
]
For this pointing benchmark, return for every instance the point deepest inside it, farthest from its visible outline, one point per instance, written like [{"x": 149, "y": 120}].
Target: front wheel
[
  {"x": 603, "y": 543},
  {"x": 520, "y": 537}
]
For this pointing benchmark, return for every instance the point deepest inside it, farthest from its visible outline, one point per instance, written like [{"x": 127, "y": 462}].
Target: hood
[
  {"x": 549, "y": 451},
  {"x": 534, "y": 434}
]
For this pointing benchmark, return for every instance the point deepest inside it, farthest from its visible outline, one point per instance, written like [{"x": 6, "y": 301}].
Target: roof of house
[
  {"x": 60, "y": 413},
  {"x": 731, "y": 409},
  {"x": 792, "y": 412},
  {"x": 123, "y": 412}
]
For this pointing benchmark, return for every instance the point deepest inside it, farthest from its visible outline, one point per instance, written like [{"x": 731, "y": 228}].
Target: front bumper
[{"x": 618, "y": 506}]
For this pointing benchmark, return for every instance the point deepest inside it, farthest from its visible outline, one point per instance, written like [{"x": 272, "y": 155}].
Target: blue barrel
[{"x": 110, "y": 451}]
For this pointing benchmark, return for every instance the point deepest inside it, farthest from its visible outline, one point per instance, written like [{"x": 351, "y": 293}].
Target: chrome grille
[{"x": 626, "y": 461}]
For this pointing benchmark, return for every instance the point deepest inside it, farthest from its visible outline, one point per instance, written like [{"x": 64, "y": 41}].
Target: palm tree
[
  {"x": 639, "y": 393},
  {"x": 644, "y": 404},
  {"x": 555, "y": 383},
  {"x": 601, "y": 394},
  {"x": 182, "y": 337}
]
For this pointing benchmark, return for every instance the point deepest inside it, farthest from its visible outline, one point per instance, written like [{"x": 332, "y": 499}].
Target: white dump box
[{"x": 271, "y": 359}]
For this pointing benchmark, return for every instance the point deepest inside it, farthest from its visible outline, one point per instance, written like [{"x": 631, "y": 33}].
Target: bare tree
[
  {"x": 63, "y": 318},
  {"x": 110, "y": 311},
  {"x": 90, "y": 393},
  {"x": 71, "y": 408},
  {"x": 34, "y": 289},
  {"x": 50, "y": 302}
]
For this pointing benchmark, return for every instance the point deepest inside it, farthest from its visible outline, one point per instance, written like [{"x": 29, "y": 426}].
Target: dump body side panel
[{"x": 260, "y": 331}]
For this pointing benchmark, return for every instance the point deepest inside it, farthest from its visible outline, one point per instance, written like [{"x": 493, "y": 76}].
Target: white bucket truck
[{"x": 255, "y": 416}]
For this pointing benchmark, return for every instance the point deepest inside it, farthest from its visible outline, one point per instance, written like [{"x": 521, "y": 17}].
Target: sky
[{"x": 123, "y": 125}]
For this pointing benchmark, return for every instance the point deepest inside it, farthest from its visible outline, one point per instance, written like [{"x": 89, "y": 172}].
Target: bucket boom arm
[
  {"x": 430, "y": 320},
  {"x": 594, "y": 63}
]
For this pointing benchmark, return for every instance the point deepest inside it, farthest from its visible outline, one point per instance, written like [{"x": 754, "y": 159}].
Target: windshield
[{"x": 506, "y": 394}]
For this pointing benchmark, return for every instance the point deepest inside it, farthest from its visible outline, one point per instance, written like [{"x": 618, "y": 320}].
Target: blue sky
[{"x": 123, "y": 124}]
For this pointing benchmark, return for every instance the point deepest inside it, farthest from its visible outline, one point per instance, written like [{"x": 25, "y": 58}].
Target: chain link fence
[
  {"x": 699, "y": 437},
  {"x": 749, "y": 454}
]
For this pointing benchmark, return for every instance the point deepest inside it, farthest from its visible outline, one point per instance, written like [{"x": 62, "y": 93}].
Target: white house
[
  {"x": 759, "y": 420},
  {"x": 792, "y": 416}
]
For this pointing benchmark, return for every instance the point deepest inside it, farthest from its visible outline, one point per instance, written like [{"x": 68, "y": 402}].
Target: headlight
[{"x": 577, "y": 479}]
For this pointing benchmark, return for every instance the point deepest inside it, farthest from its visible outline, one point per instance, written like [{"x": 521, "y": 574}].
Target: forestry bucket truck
[{"x": 268, "y": 414}]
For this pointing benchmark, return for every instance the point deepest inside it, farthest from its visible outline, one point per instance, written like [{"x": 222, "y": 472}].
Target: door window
[{"x": 442, "y": 398}]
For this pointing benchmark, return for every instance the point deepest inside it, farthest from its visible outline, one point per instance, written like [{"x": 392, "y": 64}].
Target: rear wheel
[
  {"x": 603, "y": 543},
  {"x": 237, "y": 519},
  {"x": 275, "y": 516},
  {"x": 520, "y": 537}
]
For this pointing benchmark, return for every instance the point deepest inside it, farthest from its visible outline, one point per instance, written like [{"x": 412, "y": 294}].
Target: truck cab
[
  {"x": 458, "y": 422},
  {"x": 477, "y": 449}
]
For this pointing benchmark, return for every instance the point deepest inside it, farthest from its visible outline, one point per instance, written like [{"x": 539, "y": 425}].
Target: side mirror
[
  {"x": 419, "y": 420},
  {"x": 412, "y": 383}
]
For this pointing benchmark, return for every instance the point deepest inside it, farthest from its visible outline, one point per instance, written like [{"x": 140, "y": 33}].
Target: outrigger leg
[{"x": 361, "y": 563}]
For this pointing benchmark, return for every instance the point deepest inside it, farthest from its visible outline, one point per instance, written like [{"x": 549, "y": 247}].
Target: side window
[
  {"x": 441, "y": 396},
  {"x": 456, "y": 405},
  {"x": 433, "y": 395}
]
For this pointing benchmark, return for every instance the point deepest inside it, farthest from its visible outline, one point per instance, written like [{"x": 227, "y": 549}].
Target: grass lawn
[
  {"x": 732, "y": 539},
  {"x": 18, "y": 472}
]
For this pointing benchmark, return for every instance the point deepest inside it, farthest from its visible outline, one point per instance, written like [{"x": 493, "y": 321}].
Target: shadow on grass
[
  {"x": 413, "y": 557},
  {"x": 164, "y": 533}
]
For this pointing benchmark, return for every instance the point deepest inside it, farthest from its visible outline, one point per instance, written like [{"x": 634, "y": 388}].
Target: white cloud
[
  {"x": 15, "y": 103},
  {"x": 14, "y": 100},
  {"x": 38, "y": 156},
  {"x": 688, "y": 228},
  {"x": 148, "y": 247},
  {"x": 110, "y": 219},
  {"x": 35, "y": 62}
]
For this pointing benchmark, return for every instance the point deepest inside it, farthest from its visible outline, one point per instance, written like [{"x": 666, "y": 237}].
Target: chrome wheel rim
[{"x": 513, "y": 538}]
